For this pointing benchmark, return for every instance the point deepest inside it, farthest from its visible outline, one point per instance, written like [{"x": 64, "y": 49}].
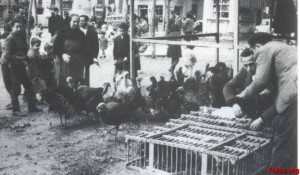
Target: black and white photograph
[{"x": 149, "y": 87}]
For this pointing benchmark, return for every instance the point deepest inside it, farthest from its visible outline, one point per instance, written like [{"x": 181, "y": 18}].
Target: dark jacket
[
  {"x": 71, "y": 42},
  {"x": 15, "y": 48},
  {"x": 121, "y": 47},
  {"x": 256, "y": 105},
  {"x": 236, "y": 85},
  {"x": 122, "y": 50},
  {"x": 91, "y": 40},
  {"x": 55, "y": 23}
]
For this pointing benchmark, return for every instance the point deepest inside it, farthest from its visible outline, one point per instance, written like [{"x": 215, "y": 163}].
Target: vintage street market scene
[{"x": 148, "y": 87}]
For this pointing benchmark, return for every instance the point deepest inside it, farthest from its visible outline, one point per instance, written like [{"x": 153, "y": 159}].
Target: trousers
[{"x": 19, "y": 77}]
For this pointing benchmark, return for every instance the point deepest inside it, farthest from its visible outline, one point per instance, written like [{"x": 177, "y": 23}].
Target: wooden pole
[
  {"x": 132, "y": 61},
  {"x": 272, "y": 7},
  {"x": 153, "y": 26},
  {"x": 9, "y": 8},
  {"x": 218, "y": 31},
  {"x": 61, "y": 10},
  {"x": 125, "y": 10},
  {"x": 28, "y": 20},
  {"x": 236, "y": 33},
  {"x": 184, "y": 43},
  {"x": 35, "y": 15}
]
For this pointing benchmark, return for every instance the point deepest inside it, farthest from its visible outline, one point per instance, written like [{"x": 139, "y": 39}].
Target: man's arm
[
  {"x": 95, "y": 43},
  {"x": 8, "y": 50},
  {"x": 229, "y": 90},
  {"x": 116, "y": 48},
  {"x": 58, "y": 44}
]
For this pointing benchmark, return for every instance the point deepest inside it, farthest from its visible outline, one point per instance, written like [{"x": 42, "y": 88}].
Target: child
[
  {"x": 103, "y": 42},
  {"x": 34, "y": 65},
  {"x": 186, "y": 67},
  {"x": 47, "y": 63},
  {"x": 34, "y": 59},
  {"x": 174, "y": 52}
]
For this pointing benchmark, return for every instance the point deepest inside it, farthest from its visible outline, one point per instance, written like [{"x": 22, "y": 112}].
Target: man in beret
[{"x": 55, "y": 23}]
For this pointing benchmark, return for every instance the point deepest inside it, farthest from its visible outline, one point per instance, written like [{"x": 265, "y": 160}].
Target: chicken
[
  {"x": 89, "y": 98},
  {"x": 115, "y": 113},
  {"x": 153, "y": 92},
  {"x": 61, "y": 100}
]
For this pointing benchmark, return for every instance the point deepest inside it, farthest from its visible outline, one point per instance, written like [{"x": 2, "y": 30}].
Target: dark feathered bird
[
  {"x": 61, "y": 100},
  {"x": 115, "y": 113},
  {"x": 89, "y": 98}
]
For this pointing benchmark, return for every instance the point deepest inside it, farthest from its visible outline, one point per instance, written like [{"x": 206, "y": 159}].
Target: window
[
  {"x": 224, "y": 9},
  {"x": 67, "y": 5},
  {"x": 52, "y": 2},
  {"x": 99, "y": 2},
  {"x": 159, "y": 12}
]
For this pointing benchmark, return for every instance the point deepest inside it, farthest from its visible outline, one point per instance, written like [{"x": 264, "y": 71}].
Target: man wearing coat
[
  {"x": 254, "y": 106},
  {"x": 55, "y": 23},
  {"x": 91, "y": 40},
  {"x": 276, "y": 64},
  {"x": 71, "y": 50}
]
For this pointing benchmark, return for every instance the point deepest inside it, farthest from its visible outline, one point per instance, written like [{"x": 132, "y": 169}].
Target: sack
[{"x": 38, "y": 84}]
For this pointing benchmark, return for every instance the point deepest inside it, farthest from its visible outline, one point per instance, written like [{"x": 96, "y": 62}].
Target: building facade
[{"x": 251, "y": 13}]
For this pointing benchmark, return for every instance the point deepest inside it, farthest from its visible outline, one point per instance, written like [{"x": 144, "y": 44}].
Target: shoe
[
  {"x": 35, "y": 109},
  {"x": 19, "y": 114},
  {"x": 8, "y": 107}
]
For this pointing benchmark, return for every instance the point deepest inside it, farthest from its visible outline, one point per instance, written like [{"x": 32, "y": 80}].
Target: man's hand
[
  {"x": 257, "y": 124},
  {"x": 242, "y": 95},
  {"x": 237, "y": 110},
  {"x": 125, "y": 59},
  {"x": 96, "y": 61},
  {"x": 66, "y": 58}
]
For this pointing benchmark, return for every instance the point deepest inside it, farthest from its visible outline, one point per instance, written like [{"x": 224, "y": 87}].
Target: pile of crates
[{"x": 199, "y": 143}]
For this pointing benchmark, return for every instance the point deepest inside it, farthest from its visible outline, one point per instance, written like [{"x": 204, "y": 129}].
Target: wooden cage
[{"x": 199, "y": 143}]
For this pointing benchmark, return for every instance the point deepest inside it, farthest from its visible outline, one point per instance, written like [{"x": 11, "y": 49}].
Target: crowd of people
[{"x": 266, "y": 86}]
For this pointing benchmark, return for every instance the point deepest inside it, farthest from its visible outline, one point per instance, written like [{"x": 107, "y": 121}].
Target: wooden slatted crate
[{"x": 199, "y": 143}]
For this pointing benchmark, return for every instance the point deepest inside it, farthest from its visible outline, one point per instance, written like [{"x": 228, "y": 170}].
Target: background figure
[
  {"x": 174, "y": 52},
  {"x": 70, "y": 48},
  {"x": 121, "y": 50},
  {"x": 91, "y": 43},
  {"x": 55, "y": 23},
  {"x": 103, "y": 42},
  {"x": 188, "y": 26}
]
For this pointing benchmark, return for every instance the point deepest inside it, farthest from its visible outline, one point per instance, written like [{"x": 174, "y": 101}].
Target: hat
[
  {"x": 48, "y": 46},
  {"x": 123, "y": 26}
]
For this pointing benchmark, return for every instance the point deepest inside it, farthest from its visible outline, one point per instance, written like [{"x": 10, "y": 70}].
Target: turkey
[
  {"x": 61, "y": 100},
  {"x": 89, "y": 98},
  {"x": 115, "y": 113}
]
